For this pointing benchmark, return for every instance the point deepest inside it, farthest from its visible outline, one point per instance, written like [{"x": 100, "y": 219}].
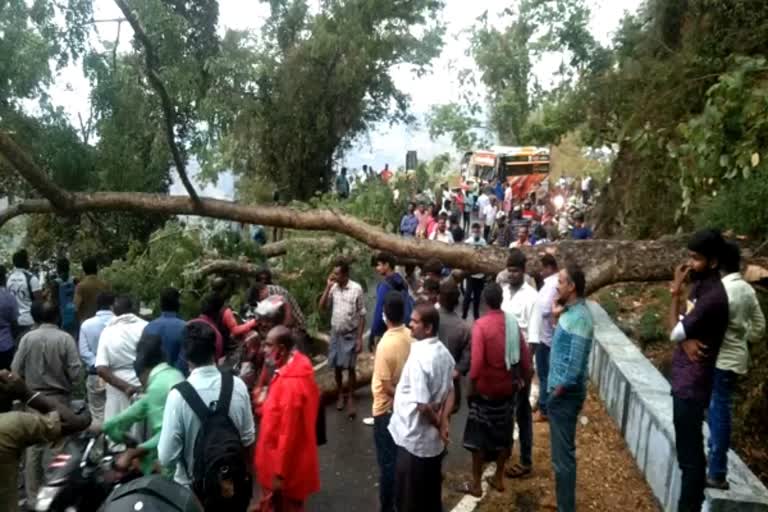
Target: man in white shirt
[
  {"x": 23, "y": 285},
  {"x": 116, "y": 354},
  {"x": 488, "y": 214},
  {"x": 424, "y": 399},
  {"x": 441, "y": 234},
  {"x": 547, "y": 295},
  {"x": 482, "y": 201},
  {"x": 90, "y": 332},
  {"x": 180, "y": 424},
  {"x": 746, "y": 323},
  {"x": 521, "y": 300}
]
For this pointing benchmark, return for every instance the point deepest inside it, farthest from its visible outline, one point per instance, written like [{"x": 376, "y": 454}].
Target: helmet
[
  {"x": 152, "y": 494},
  {"x": 270, "y": 306}
]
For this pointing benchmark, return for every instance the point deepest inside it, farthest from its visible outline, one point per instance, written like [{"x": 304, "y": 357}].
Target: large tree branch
[
  {"x": 34, "y": 175},
  {"x": 169, "y": 112},
  {"x": 605, "y": 261}
]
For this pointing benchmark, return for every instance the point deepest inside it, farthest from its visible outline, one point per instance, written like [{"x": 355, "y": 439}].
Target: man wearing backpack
[
  {"x": 286, "y": 459},
  {"x": 208, "y": 430},
  {"x": 26, "y": 288}
]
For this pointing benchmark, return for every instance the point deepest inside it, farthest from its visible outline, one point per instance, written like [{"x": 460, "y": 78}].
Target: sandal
[
  {"x": 466, "y": 488},
  {"x": 518, "y": 471},
  {"x": 492, "y": 483}
]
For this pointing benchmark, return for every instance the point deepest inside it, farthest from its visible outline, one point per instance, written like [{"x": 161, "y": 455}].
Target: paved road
[{"x": 348, "y": 470}]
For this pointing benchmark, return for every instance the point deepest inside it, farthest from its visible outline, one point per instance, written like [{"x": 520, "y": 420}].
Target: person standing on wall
[
  {"x": 699, "y": 326},
  {"x": 746, "y": 323}
]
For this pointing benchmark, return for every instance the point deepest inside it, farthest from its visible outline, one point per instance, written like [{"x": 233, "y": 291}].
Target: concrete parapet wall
[{"x": 637, "y": 397}]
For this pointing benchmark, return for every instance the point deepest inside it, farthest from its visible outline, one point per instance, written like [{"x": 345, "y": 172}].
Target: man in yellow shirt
[{"x": 391, "y": 354}]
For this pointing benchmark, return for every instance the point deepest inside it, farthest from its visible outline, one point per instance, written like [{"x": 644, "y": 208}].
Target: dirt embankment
[
  {"x": 640, "y": 310},
  {"x": 607, "y": 479}
]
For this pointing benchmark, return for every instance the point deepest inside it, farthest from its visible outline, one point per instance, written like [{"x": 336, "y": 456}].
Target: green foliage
[
  {"x": 307, "y": 282},
  {"x": 520, "y": 110},
  {"x": 650, "y": 327},
  {"x": 165, "y": 260},
  {"x": 740, "y": 205},
  {"x": 459, "y": 122},
  {"x": 685, "y": 111},
  {"x": 609, "y": 304},
  {"x": 323, "y": 79},
  {"x": 725, "y": 141},
  {"x": 171, "y": 257}
]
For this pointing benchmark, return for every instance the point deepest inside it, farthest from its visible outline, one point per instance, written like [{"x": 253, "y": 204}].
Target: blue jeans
[
  {"x": 542, "y": 369},
  {"x": 720, "y": 413},
  {"x": 563, "y": 413},
  {"x": 386, "y": 452}
]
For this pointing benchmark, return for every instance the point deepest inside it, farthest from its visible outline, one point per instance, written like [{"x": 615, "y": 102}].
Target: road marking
[{"x": 469, "y": 503}]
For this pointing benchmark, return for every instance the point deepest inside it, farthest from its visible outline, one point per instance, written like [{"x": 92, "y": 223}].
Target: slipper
[
  {"x": 466, "y": 488},
  {"x": 490, "y": 481},
  {"x": 723, "y": 485},
  {"x": 518, "y": 471}
]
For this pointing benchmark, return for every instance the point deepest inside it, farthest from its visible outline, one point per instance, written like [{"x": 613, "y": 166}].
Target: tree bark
[{"x": 604, "y": 261}]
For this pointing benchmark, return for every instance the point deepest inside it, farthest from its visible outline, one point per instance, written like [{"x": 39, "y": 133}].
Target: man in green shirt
[
  {"x": 157, "y": 377},
  {"x": 746, "y": 324}
]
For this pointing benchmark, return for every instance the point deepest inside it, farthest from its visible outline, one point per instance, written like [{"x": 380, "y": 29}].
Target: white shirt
[
  {"x": 746, "y": 323},
  {"x": 117, "y": 351},
  {"x": 524, "y": 304},
  {"x": 427, "y": 378},
  {"x": 445, "y": 237},
  {"x": 547, "y": 296},
  {"x": 482, "y": 202},
  {"x": 489, "y": 214},
  {"x": 181, "y": 425},
  {"x": 17, "y": 284},
  {"x": 480, "y": 242},
  {"x": 585, "y": 184}
]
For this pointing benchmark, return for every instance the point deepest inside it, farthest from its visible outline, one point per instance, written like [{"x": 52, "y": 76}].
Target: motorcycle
[{"x": 82, "y": 475}]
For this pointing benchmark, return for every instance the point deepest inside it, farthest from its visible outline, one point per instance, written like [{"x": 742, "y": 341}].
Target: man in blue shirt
[
  {"x": 580, "y": 231},
  {"x": 9, "y": 315},
  {"x": 566, "y": 383},
  {"x": 409, "y": 222},
  {"x": 88, "y": 343},
  {"x": 170, "y": 328}
]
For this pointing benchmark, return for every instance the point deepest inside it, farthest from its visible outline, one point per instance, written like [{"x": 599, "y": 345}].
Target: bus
[{"x": 523, "y": 167}]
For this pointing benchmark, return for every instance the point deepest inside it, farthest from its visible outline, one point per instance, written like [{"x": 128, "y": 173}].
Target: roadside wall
[{"x": 637, "y": 397}]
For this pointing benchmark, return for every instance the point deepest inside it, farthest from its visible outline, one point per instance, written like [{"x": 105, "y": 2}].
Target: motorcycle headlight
[{"x": 45, "y": 498}]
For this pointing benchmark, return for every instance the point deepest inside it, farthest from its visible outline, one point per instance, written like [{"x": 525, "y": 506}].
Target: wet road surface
[{"x": 348, "y": 471}]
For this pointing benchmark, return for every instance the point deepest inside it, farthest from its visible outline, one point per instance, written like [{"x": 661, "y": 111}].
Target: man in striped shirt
[{"x": 566, "y": 384}]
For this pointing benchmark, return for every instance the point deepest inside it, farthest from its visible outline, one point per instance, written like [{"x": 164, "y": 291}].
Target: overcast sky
[{"x": 387, "y": 144}]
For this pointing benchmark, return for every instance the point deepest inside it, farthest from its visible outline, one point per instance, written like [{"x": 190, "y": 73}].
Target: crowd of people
[
  {"x": 226, "y": 403},
  {"x": 503, "y": 218}
]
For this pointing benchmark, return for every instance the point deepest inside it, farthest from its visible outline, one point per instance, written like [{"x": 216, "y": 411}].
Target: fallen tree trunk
[{"x": 604, "y": 261}]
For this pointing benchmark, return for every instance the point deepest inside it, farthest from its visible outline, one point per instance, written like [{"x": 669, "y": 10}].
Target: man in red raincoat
[{"x": 286, "y": 455}]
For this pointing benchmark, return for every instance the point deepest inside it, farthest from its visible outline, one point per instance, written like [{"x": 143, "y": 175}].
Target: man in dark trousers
[{"x": 699, "y": 326}]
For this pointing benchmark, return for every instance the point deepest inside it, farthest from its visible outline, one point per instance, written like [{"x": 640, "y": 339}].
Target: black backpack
[{"x": 219, "y": 476}]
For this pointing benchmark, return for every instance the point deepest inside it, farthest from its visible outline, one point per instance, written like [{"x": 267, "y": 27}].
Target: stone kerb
[{"x": 637, "y": 397}]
